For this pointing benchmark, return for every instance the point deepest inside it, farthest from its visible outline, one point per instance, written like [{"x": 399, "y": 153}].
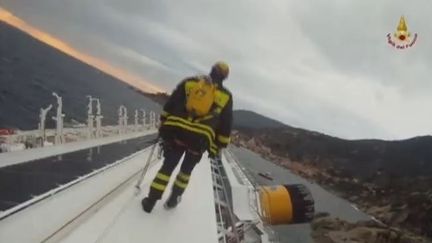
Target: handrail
[
  {"x": 220, "y": 220},
  {"x": 216, "y": 166},
  {"x": 254, "y": 202}
]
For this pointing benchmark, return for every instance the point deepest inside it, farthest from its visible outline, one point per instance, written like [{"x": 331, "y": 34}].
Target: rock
[
  {"x": 379, "y": 210},
  {"x": 372, "y": 224},
  {"x": 339, "y": 237},
  {"x": 328, "y": 223},
  {"x": 411, "y": 239},
  {"x": 404, "y": 202},
  {"x": 400, "y": 217},
  {"x": 334, "y": 230},
  {"x": 387, "y": 217},
  {"x": 321, "y": 215}
]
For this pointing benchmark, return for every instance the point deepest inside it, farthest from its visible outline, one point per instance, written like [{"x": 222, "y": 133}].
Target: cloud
[
  {"x": 98, "y": 63},
  {"x": 356, "y": 46},
  {"x": 324, "y": 66},
  {"x": 135, "y": 56}
]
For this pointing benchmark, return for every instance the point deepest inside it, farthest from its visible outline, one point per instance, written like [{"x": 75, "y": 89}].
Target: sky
[{"x": 319, "y": 65}]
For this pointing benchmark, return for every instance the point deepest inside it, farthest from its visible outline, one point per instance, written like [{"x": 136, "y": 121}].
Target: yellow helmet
[{"x": 219, "y": 71}]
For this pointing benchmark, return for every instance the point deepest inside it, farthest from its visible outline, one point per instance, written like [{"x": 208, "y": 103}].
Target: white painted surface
[
  {"x": 123, "y": 220},
  {"x": 23, "y": 156},
  {"x": 7, "y": 148},
  {"x": 240, "y": 194},
  {"x": 245, "y": 207},
  {"x": 37, "y": 222}
]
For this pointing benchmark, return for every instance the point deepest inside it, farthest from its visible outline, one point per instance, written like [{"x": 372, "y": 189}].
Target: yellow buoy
[{"x": 286, "y": 204}]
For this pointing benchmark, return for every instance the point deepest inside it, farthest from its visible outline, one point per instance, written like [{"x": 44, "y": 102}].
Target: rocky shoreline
[
  {"x": 326, "y": 229},
  {"x": 402, "y": 207}
]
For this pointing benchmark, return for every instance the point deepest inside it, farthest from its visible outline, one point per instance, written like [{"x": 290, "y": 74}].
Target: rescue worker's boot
[
  {"x": 148, "y": 204},
  {"x": 177, "y": 190},
  {"x": 173, "y": 200}
]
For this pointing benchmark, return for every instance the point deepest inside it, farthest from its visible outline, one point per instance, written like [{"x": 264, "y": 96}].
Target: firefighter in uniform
[{"x": 191, "y": 133}]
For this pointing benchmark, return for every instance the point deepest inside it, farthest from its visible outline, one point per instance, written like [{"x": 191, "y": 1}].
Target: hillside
[
  {"x": 249, "y": 119},
  {"x": 390, "y": 180},
  {"x": 362, "y": 158},
  {"x": 410, "y": 157}
]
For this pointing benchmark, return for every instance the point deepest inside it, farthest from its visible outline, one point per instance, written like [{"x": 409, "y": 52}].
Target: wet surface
[
  {"x": 19, "y": 183},
  {"x": 325, "y": 201}
]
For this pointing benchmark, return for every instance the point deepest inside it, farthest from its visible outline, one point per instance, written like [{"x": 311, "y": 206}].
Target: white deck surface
[
  {"x": 37, "y": 222},
  {"x": 120, "y": 217},
  {"x": 123, "y": 220}
]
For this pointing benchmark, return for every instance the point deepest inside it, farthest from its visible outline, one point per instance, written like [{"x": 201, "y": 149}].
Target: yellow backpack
[{"x": 200, "y": 97}]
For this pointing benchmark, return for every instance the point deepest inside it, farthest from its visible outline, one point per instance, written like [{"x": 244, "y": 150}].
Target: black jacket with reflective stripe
[{"x": 204, "y": 133}]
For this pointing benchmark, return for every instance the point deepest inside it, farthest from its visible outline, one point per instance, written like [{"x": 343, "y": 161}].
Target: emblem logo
[{"x": 402, "y": 38}]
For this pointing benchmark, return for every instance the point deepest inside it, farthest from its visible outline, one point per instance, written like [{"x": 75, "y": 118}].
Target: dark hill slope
[
  {"x": 250, "y": 119},
  {"x": 410, "y": 157}
]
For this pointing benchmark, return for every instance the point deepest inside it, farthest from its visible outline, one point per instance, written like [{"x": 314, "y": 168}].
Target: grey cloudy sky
[{"x": 320, "y": 65}]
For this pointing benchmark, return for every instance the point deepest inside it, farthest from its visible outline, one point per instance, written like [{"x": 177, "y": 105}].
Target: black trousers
[{"x": 173, "y": 153}]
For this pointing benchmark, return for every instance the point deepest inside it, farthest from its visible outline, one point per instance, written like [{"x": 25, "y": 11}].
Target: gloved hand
[
  {"x": 162, "y": 131},
  {"x": 160, "y": 150},
  {"x": 162, "y": 118}
]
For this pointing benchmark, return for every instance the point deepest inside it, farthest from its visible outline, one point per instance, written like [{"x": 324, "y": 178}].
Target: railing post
[
  {"x": 144, "y": 117},
  {"x": 98, "y": 119},
  {"x": 136, "y": 121},
  {"x": 90, "y": 117},
  {"x": 42, "y": 116},
  {"x": 59, "y": 137}
]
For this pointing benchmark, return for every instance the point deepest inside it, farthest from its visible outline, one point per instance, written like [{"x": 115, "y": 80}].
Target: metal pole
[
  {"x": 125, "y": 119},
  {"x": 144, "y": 119},
  {"x": 136, "y": 121},
  {"x": 90, "y": 117},
  {"x": 98, "y": 119},
  {"x": 59, "y": 137},
  {"x": 42, "y": 116},
  {"x": 120, "y": 120},
  {"x": 145, "y": 168}
]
